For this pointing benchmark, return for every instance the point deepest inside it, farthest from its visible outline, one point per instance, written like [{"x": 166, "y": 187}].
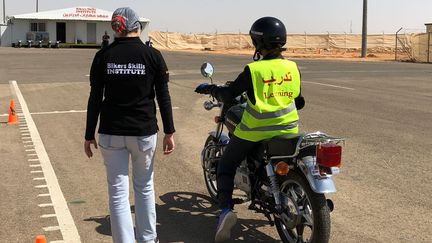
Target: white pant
[{"x": 115, "y": 152}]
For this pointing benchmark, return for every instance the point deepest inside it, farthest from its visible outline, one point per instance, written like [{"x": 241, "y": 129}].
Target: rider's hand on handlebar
[{"x": 204, "y": 88}]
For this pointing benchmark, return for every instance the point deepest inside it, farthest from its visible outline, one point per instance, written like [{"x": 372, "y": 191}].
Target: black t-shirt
[{"x": 125, "y": 79}]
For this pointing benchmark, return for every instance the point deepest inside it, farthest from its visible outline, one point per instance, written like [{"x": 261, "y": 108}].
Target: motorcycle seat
[{"x": 283, "y": 145}]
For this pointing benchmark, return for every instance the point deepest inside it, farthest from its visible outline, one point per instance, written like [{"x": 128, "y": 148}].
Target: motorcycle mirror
[{"x": 207, "y": 70}]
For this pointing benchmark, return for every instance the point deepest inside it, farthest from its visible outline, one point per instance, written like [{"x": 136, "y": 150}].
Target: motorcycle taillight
[{"x": 329, "y": 155}]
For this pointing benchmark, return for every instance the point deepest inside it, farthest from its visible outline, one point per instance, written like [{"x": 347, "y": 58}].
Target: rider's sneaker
[{"x": 227, "y": 220}]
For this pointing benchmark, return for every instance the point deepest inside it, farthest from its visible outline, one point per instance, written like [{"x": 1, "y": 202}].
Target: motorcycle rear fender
[{"x": 318, "y": 184}]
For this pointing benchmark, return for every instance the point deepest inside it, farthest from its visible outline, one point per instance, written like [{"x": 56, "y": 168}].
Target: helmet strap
[{"x": 256, "y": 55}]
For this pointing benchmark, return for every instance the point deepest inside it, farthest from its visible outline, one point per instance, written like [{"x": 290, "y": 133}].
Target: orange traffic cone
[
  {"x": 13, "y": 119},
  {"x": 40, "y": 239}
]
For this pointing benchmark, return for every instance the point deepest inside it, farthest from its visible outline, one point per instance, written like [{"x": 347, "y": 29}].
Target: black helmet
[{"x": 268, "y": 33}]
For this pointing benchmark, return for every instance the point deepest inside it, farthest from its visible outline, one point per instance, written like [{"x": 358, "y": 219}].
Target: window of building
[
  {"x": 33, "y": 27},
  {"x": 37, "y": 27},
  {"x": 41, "y": 27}
]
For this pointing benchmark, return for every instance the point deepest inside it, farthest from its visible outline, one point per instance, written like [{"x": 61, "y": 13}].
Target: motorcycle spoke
[
  {"x": 307, "y": 216},
  {"x": 293, "y": 194}
]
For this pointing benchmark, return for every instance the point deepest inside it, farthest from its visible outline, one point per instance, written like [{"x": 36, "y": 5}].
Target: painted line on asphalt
[
  {"x": 58, "y": 112},
  {"x": 51, "y": 228},
  {"x": 328, "y": 85},
  {"x": 67, "y": 225},
  {"x": 36, "y": 171},
  {"x": 41, "y": 186},
  {"x": 65, "y": 112},
  {"x": 354, "y": 71},
  {"x": 44, "y": 205}
]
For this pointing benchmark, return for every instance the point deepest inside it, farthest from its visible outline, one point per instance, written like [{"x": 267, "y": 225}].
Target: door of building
[
  {"x": 61, "y": 32},
  {"x": 91, "y": 33}
]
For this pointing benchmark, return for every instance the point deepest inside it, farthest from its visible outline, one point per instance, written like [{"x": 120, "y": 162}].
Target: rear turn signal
[
  {"x": 329, "y": 155},
  {"x": 282, "y": 168}
]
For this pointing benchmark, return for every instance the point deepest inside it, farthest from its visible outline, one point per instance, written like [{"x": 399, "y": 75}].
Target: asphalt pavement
[{"x": 383, "y": 109}]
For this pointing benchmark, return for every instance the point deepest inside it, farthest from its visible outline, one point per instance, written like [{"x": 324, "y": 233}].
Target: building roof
[{"x": 75, "y": 13}]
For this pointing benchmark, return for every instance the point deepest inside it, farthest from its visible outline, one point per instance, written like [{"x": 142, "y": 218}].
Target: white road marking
[
  {"x": 35, "y": 165},
  {"x": 41, "y": 186},
  {"x": 57, "y": 112},
  {"x": 44, "y": 205},
  {"x": 33, "y": 160},
  {"x": 64, "y": 112},
  {"x": 36, "y": 171},
  {"x": 64, "y": 217},
  {"x": 48, "y": 216},
  {"x": 51, "y": 228},
  {"x": 30, "y": 150},
  {"x": 329, "y": 85},
  {"x": 44, "y": 195},
  {"x": 39, "y": 179}
]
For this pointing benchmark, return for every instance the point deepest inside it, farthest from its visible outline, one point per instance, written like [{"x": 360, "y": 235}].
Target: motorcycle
[{"x": 285, "y": 177}]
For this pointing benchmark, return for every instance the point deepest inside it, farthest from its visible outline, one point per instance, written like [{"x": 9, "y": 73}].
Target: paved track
[{"x": 382, "y": 108}]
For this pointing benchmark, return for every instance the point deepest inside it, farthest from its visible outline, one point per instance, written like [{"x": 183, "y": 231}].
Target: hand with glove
[{"x": 205, "y": 88}]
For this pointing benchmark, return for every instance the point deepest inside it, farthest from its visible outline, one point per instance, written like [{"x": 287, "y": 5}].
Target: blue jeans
[{"x": 116, "y": 151}]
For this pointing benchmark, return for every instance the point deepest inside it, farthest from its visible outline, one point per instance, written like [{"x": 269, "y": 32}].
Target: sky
[{"x": 210, "y": 16}]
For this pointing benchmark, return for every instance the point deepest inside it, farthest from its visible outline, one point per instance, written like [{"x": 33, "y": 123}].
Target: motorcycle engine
[{"x": 241, "y": 179}]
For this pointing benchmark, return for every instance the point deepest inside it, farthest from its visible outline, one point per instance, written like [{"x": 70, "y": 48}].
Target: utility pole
[
  {"x": 364, "y": 30},
  {"x": 37, "y": 6},
  {"x": 4, "y": 12}
]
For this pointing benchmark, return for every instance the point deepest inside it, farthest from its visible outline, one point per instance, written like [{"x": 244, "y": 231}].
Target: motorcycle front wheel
[
  {"x": 305, "y": 215},
  {"x": 210, "y": 153}
]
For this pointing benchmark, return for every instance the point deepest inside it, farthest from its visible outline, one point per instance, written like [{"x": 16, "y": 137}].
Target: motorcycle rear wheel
[
  {"x": 306, "y": 216},
  {"x": 210, "y": 166}
]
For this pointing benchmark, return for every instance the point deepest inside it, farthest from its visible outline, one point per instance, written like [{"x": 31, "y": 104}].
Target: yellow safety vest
[{"x": 276, "y": 83}]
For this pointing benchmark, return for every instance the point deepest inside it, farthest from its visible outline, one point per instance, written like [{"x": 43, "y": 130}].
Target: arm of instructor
[
  {"x": 87, "y": 147},
  {"x": 168, "y": 143},
  {"x": 164, "y": 102},
  {"x": 93, "y": 106}
]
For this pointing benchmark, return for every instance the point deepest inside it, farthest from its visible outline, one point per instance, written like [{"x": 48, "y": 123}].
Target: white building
[{"x": 78, "y": 25}]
